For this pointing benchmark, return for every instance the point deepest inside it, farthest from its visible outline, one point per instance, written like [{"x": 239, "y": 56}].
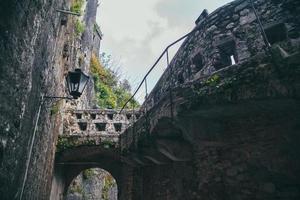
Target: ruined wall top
[{"x": 228, "y": 36}]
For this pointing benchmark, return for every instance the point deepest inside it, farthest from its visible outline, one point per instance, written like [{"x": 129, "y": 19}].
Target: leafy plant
[
  {"x": 76, "y": 189},
  {"x": 110, "y": 91},
  {"x": 54, "y": 109},
  {"x": 79, "y": 27},
  {"x": 213, "y": 80},
  {"x": 77, "y": 6},
  {"x": 109, "y": 182},
  {"x": 88, "y": 173}
]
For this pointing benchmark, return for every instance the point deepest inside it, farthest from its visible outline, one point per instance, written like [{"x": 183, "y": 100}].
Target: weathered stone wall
[
  {"x": 30, "y": 52},
  {"x": 242, "y": 125},
  {"x": 97, "y": 37},
  {"x": 232, "y": 30},
  {"x": 94, "y": 127},
  {"x": 240, "y": 120}
]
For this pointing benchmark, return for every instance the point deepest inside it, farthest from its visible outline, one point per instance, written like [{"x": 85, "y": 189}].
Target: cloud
[
  {"x": 181, "y": 13},
  {"x": 137, "y": 31}
]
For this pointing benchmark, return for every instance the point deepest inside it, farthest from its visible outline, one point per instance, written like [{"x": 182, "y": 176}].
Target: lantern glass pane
[
  {"x": 68, "y": 83},
  {"x": 83, "y": 82}
]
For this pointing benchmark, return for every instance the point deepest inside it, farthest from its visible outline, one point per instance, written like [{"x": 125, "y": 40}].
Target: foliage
[
  {"x": 109, "y": 182},
  {"x": 64, "y": 143},
  {"x": 76, "y": 189},
  {"x": 54, "y": 109},
  {"x": 77, "y": 6},
  {"x": 88, "y": 174},
  {"x": 213, "y": 80},
  {"x": 79, "y": 27},
  {"x": 107, "y": 144},
  {"x": 110, "y": 91}
]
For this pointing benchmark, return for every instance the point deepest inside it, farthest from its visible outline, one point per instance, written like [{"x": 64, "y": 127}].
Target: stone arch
[{"x": 70, "y": 162}]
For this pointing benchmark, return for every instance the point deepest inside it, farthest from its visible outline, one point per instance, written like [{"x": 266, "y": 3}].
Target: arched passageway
[{"x": 93, "y": 183}]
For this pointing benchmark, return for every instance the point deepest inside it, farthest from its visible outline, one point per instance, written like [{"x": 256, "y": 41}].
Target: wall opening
[
  {"x": 228, "y": 55},
  {"x": 118, "y": 127},
  {"x": 82, "y": 126},
  {"x": 128, "y": 116},
  {"x": 100, "y": 126},
  {"x": 64, "y": 20},
  {"x": 78, "y": 115},
  {"x": 198, "y": 62},
  {"x": 93, "y": 183},
  {"x": 180, "y": 78},
  {"x": 110, "y": 116},
  {"x": 276, "y": 33},
  {"x": 93, "y": 116},
  {"x": 137, "y": 115}
]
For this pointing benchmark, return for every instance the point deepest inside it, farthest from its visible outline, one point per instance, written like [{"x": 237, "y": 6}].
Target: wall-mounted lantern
[{"x": 76, "y": 82}]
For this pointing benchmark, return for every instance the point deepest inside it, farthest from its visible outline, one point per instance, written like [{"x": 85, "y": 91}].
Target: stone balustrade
[{"x": 98, "y": 122}]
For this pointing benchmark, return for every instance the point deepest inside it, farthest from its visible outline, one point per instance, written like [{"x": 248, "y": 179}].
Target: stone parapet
[{"x": 98, "y": 122}]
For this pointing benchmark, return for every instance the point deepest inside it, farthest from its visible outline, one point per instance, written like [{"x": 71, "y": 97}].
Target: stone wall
[
  {"x": 30, "y": 57},
  {"x": 38, "y": 47},
  {"x": 230, "y": 32},
  {"x": 98, "y": 121},
  {"x": 240, "y": 120},
  {"x": 94, "y": 127}
]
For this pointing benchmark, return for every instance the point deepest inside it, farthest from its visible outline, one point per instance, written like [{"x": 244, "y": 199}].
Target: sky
[{"x": 137, "y": 31}]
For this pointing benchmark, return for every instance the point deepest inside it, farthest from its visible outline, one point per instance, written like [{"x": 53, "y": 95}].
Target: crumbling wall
[
  {"x": 30, "y": 49},
  {"x": 230, "y": 32}
]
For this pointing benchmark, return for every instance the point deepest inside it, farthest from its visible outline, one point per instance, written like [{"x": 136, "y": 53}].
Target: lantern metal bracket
[
  {"x": 54, "y": 99},
  {"x": 74, "y": 79}
]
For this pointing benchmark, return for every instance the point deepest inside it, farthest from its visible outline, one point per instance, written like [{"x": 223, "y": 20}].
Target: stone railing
[
  {"x": 94, "y": 127},
  {"x": 98, "y": 122}
]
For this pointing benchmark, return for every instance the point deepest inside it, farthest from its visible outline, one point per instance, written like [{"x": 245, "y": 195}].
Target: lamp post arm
[{"x": 55, "y": 97}]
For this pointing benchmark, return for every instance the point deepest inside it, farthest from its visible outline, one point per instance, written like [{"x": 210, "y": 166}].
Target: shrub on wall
[
  {"x": 77, "y": 6},
  {"x": 110, "y": 91},
  {"x": 79, "y": 27}
]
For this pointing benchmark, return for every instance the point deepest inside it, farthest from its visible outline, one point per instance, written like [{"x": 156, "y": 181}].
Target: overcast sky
[{"x": 137, "y": 31}]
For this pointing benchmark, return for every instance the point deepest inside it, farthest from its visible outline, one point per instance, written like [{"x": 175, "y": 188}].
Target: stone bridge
[
  {"x": 221, "y": 123},
  {"x": 95, "y": 127}
]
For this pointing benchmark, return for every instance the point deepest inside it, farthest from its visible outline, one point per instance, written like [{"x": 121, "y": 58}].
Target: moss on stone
[
  {"x": 77, "y": 6},
  {"x": 79, "y": 27},
  {"x": 68, "y": 142},
  {"x": 109, "y": 183},
  {"x": 88, "y": 174}
]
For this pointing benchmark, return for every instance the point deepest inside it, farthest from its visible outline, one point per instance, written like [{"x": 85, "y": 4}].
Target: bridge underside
[
  {"x": 244, "y": 151},
  {"x": 236, "y": 141}
]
